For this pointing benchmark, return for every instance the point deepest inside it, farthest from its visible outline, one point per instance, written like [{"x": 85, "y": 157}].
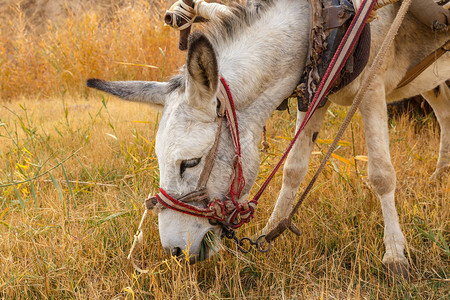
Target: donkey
[{"x": 260, "y": 50}]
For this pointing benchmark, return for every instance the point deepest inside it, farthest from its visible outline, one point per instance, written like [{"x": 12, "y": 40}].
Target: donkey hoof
[{"x": 398, "y": 270}]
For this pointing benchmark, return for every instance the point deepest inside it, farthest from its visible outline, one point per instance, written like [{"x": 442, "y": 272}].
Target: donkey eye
[{"x": 190, "y": 163}]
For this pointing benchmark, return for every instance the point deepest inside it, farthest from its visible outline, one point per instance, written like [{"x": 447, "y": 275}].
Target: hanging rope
[{"x": 138, "y": 239}]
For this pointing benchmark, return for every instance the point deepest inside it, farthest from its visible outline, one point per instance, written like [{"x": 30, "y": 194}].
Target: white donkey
[{"x": 260, "y": 50}]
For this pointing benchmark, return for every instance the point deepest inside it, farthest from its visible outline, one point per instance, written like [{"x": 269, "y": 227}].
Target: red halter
[{"x": 229, "y": 210}]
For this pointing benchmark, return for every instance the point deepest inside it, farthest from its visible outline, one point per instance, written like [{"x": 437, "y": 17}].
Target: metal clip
[{"x": 246, "y": 244}]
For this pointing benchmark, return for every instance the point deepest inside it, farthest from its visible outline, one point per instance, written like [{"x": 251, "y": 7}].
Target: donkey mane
[{"x": 226, "y": 28}]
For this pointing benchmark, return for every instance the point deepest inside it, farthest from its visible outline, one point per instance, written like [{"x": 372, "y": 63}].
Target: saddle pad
[{"x": 356, "y": 62}]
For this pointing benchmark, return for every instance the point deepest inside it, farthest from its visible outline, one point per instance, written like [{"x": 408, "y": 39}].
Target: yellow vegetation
[{"x": 130, "y": 43}]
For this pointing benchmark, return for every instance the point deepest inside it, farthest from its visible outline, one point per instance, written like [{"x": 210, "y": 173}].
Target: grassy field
[{"x": 76, "y": 165}]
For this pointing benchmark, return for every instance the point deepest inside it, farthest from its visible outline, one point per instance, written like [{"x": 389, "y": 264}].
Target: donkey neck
[{"x": 262, "y": 62}]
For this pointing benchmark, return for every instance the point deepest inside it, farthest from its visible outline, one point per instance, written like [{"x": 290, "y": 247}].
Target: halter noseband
[{"x": 230, "y": 211}]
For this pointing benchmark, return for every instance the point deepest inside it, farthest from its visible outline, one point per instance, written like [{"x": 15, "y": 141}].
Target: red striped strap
[
  {"x": 337, "y": 63},
  {"x": 215, "y": 209},
  {"x": 237, "y": 178}
]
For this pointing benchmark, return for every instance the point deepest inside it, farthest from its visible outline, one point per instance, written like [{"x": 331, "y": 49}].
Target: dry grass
[
  {"x": 74, "y": 169},
  {"x": 66, "y": 233},
  {"x": 58, "y": 60}
]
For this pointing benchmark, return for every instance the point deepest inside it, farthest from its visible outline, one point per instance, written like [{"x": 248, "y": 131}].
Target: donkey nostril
[{"x": 177, "y": 252}]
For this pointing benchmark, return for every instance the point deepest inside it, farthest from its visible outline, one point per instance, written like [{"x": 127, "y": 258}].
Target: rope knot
[
  {"x": 218, "y": 208},
  {"x": 183, "y": 11}
]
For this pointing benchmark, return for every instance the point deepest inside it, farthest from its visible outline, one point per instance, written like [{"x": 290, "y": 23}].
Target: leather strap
[
  {"x": 424, "y": 64},
  {"x": 431, "y": 14},
  {"x": 211, "y": 157}
]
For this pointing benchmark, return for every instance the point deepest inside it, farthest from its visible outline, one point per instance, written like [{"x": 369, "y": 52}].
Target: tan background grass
[
  {"x": 76, "y": 165},
  {"x": 76, "y": 40}
]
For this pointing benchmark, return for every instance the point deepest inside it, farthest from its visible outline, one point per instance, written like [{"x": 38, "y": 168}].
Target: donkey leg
[
  {"x": 439, "y": 99},
  {"x": 296, "y": 166},
  {"x": 381, "y": 175}
]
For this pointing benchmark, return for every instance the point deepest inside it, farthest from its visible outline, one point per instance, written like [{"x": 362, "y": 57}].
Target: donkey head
[{"x": 185, "y": 136}]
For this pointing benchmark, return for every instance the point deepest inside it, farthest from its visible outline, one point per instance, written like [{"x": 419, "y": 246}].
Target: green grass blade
[
  {"x": 113, "y": 216},
  {"x": 33, "y": 193},
  {"x": 69, "y": 186},
  {"x": 60, "y": 193},
  {"x": 22, "y": 203}
]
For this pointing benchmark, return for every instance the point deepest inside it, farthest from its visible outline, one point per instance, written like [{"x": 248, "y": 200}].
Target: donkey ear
[
  {"x": 203, "y": 73},
  {"x": 137, "y": 91}
]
